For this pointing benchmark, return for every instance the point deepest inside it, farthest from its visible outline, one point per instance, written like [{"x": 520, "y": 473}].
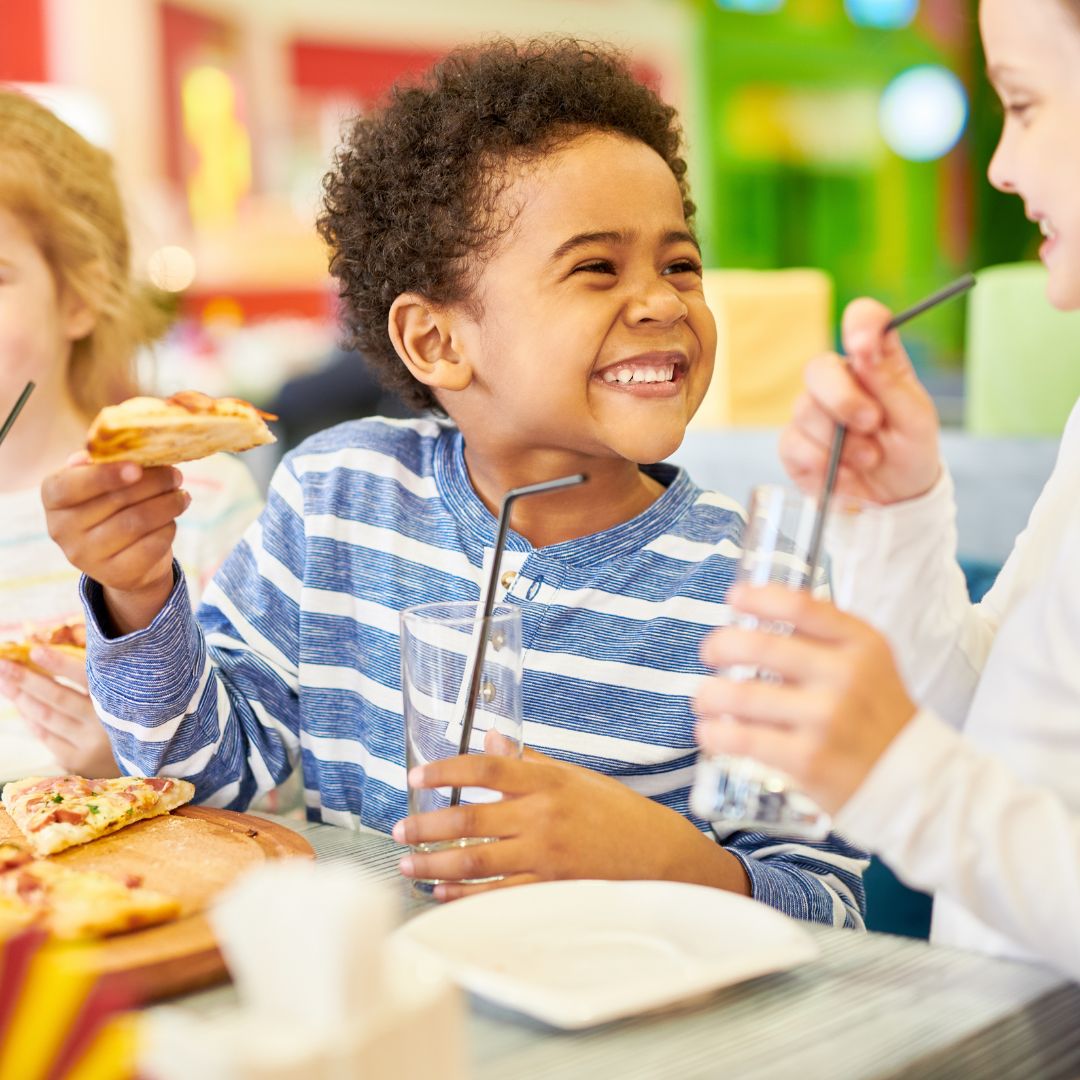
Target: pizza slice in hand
[
  {"x": 58, "y": 812},
  {"x": 164, "y": 431},
  {"x": 67, "y": 637}
]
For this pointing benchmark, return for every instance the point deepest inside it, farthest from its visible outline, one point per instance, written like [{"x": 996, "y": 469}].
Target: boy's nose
[{"x": 657, "y": 303}]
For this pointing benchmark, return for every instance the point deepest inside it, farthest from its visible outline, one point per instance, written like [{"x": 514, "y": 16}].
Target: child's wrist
[{"x": 129, "y": 610}]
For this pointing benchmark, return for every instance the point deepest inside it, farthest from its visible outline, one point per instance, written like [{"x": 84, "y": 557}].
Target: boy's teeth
[
  {"x": 639, "y": 375},
  {"x": 1046, "y": 228}
]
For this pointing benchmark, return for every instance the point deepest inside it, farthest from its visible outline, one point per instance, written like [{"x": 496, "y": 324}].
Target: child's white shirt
[{"x": 988, "y": 819}]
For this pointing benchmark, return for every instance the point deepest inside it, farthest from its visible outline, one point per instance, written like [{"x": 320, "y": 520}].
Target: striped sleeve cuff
[
  {"x": 796, "y": 893},
  {"x": 149, "y": 675}
]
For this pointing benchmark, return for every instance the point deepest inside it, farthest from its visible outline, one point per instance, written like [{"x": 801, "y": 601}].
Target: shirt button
[{"x": 507, "y": 579}]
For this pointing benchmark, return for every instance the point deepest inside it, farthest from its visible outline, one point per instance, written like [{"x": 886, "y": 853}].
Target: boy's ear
[{"x": 423, "y": 337}]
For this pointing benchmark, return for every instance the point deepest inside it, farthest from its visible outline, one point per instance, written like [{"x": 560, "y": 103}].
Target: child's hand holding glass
[
  {"x": 838, "y": 702},
  {"x": 555, "y": 821}
]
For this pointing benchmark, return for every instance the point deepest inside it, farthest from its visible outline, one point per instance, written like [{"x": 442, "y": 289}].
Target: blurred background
[{"x": 831, "y": 134}]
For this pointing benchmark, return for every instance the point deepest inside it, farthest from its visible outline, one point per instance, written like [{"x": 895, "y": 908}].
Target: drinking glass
[
  {"x": 438, "y": 643},
  {"x": 737, "y": 793}
]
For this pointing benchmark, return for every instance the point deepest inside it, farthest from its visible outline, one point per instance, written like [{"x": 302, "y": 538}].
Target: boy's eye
[
  {"x": 597, "y": 266},
  {"x": 1018, "y": 109},
  {"x": 684, "y": 266}
]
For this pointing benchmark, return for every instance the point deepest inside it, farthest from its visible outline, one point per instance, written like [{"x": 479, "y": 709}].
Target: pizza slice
[
  {"x": 73, "y": 904},
  {"x": 164, "y": 431},
  {"x": 68, "y": 637},
  {"x": 58, "y": 812}
]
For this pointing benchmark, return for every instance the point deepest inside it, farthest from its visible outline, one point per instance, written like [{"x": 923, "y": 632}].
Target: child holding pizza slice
[
  {"x": 512, "y": 238},
  {"x": 71, "y": 318}
]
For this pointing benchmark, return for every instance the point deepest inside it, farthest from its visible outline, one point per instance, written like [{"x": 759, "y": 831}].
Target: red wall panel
[{"x": 22, "y": 41}]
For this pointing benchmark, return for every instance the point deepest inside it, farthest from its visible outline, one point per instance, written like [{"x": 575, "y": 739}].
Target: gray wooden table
[{"x": 870, "y": 1006}]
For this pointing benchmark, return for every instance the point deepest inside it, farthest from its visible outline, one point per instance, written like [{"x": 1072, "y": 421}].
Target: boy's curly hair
[{"x": 412, "y": 199}]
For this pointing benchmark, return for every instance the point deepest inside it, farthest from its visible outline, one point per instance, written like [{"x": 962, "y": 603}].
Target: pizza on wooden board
[
  {"x": 68, "y": 637},
  {"x": 164, "y": 431},
  {"x": 73, "y": 904},
  {"x": 58, "y": 812}
]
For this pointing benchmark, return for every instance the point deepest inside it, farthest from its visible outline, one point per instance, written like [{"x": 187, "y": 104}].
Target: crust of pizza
[
  {"x": 165, "y": 431},
  {"x": 68, "y": 638},
  {"x": 73, "y": 904},
  {"x": 59, "y": 812}
]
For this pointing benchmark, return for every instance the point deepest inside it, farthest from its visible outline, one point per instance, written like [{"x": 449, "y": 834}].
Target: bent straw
[
  {"x": 961, "y": 285},
  {"x": 508, "y": 501},
  {"x": 14, "y": 414}
]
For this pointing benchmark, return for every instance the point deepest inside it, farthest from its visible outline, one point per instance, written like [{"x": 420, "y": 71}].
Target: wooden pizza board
[{"x": 191, "y": 854}]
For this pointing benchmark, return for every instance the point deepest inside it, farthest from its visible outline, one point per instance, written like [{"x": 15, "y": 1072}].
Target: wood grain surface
[{"x": 191, "y": 854}]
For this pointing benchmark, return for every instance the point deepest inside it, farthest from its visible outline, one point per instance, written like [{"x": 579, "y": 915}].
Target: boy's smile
[{"x": 591, "y": 336}]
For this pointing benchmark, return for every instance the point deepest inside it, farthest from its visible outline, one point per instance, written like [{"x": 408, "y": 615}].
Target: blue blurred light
[
  {"x": 923, "y": 112},
  {"x": 882, "y": 14},
  {"x": 753, "y": 7}
]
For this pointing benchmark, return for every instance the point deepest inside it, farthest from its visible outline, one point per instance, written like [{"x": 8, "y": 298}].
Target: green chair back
[{"x": 1023, "y": 357}]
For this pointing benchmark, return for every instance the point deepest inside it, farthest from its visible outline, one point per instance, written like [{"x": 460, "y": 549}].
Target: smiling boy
[{"x": 512, "y": 244}]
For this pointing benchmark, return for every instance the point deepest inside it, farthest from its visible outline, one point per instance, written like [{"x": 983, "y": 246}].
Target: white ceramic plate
[{"x": 578, "y": 953}]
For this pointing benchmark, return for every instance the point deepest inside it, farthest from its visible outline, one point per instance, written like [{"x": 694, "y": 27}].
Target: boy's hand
[
  {"x": 62, "y": 717},
  {"x": 839, "y": 706},
  {"x": 556, "y": 821},
  {"x": 891, "y": 450},
  {"x": 116, "y": 523}
]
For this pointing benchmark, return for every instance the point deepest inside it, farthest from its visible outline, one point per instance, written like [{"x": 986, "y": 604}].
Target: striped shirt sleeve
[{"x": 215, "y": 699}]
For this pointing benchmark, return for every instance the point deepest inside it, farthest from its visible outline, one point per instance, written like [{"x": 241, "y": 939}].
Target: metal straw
[
  {"x": 508, "y": 501},
  {"x": 961, "y": 285},
  {"x": 14, "y": 414}
]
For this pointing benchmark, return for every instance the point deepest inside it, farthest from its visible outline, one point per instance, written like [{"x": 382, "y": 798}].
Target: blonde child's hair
[{"x": 62, "y": 189}]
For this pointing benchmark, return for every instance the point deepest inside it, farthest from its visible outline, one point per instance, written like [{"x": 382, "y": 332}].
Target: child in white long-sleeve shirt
[{"x": 989, "y": 819}]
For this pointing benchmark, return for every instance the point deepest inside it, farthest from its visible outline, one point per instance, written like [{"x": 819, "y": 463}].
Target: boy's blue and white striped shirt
[{"x": 294, "y": 654}]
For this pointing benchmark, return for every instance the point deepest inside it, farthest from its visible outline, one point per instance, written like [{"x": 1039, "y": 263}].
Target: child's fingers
[
  {"x": 453, "y": 890},
  {"x": 789, "y": 750},
  {"x": 76, "y": 485},
  {"x": 60, "y": 664},
  {"x": 866, "y": 340},
  {"x": 456, "y": 822},
  {"x": 59, "y": 747},
  {"x": 795, "y": 659},
  {"x": 834, "y": 391},
  {"x": 143, "y": 561},
  {"x": 86, "y": 515},
  {"x": 471, "y": 863},
  {"x": 511, "y": 776},
  {"x": 760, "y": 702},
  {"x": 809, "y": 615},
  {"x": 133, "y": 523}
]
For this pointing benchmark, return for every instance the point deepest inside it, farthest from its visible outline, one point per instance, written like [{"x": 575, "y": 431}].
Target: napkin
[{"x": 322, "y": 994}]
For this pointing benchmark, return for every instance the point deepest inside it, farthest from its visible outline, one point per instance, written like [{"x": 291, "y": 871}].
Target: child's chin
[{"x": 646, "y": 448}]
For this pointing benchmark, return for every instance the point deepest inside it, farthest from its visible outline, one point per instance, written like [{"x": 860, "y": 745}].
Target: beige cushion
[{"x": 769, "y": 324}]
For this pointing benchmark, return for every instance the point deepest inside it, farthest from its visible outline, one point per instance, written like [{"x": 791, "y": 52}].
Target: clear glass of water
[
  {"x": 438, "y": 643},
  {"x": 737, "y": 793}
]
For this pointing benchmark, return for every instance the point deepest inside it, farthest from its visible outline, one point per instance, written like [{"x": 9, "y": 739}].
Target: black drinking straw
[
  {"x": 961, "y": 285},
  {"x": 14, "y": 414},
  {"x": 489, "y": 599}
]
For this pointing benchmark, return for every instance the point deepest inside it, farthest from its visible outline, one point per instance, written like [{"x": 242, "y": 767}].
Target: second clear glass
[{"x": 736, "y": 793}]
